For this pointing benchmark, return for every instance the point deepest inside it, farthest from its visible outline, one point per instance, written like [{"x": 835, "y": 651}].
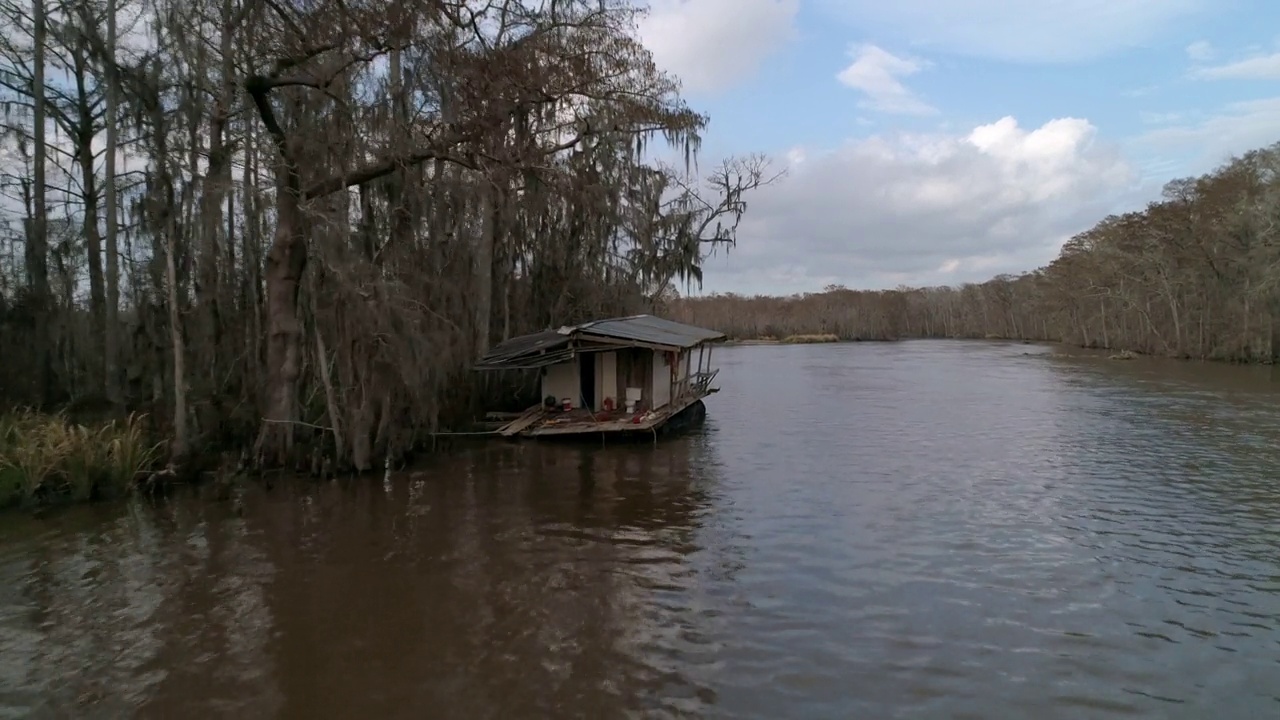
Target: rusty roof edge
[
  {"x": 624, "y": 318},
  {"x": 519, "y": 348},
  {"x": 653, "y": 329},
  {"x": 615, "y": 341}
]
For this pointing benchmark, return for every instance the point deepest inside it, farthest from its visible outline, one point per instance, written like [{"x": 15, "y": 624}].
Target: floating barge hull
[{"x": 634, "y": 376}]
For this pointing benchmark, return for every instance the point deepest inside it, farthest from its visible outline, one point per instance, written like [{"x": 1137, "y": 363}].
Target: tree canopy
[{"x": 306, "y": 220}]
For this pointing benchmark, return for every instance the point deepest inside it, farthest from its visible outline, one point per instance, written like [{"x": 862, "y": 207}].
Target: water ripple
[{"x": 908, "y": 530}]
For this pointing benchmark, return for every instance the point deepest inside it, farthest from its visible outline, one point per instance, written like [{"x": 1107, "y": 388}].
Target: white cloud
[
  {"x": 713, "y": 44},
  {"x": 925, "y": 209},
  {"x": 1200, "y": 51},
  {"x": 1201, "y": 144},
  {"x": 1044, "y": 31},
  {"x": 877, "y": 72},
  {"x": 1262, "y": 67}
]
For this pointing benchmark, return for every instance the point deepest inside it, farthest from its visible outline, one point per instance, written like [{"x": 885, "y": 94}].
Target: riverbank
[{"x": 59, "y": 459}]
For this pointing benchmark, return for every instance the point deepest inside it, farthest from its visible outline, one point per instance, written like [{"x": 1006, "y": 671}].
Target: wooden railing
[{"x": 700, "y": 382}]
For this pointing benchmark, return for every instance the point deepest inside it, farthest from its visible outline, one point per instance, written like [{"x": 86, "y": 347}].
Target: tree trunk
[
  {"x": 93, "y": 243},
  {"x": 330, "y": 397},
  {"x": 1274, "y": 328},
  {"x": 251, "y": 252},
  {"x": 164, "y": 215},
  {"x": 111, "y": 316},
  {"x": 175, "y": 335},
  {"x": 1106, "y": 337},
  {"x": 210, "y": 293},
  {"x": 286, "y": 261},
  {"x": 368, "y": 226},
  {"x": 490, "y": 206},
  {"x": 38, "y": 236}
]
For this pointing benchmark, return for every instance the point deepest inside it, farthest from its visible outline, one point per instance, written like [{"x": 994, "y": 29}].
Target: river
[{"x": 922, "y": 529}]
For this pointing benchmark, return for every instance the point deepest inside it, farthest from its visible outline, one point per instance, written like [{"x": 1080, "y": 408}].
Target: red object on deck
[
  {"x": 568, "y": 404},
  {"x": 608, "y": 404}
]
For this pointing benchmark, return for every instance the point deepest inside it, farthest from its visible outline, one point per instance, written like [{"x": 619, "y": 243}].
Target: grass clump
[
  {"x": 47, "y": 458},
  {"x": 811, "y": 339}
]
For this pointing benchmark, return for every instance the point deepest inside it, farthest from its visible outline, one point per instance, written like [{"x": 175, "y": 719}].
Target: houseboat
[{"x": 638, "y": 374}]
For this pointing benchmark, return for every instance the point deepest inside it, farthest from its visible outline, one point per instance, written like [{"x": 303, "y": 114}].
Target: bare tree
[
  {"x": 314, "y": 218},
  {"x": 38, "y": 232}
]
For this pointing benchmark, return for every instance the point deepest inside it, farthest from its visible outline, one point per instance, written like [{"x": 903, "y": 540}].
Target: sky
[{"x": 938, "y": 142}]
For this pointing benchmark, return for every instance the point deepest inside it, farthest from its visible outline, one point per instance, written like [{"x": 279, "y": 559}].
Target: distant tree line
[
  {"x": 1194, "y": 275},
  {"x": 293, "y": 226}
]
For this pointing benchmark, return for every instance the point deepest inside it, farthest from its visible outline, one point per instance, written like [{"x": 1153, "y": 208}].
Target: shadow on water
[{"x": 505, "y": 581}]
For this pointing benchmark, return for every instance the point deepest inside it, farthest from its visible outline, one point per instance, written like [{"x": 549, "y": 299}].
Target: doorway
[
  {"x": 587, "y": 380},
  {"x": 635, "y": 370}
]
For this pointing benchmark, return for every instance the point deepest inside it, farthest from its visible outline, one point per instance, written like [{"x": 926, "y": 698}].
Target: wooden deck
[{"x": 542, "y": 422}]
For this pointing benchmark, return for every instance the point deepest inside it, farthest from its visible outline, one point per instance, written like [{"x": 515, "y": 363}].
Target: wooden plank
[
  {"x": 660, "y": 418},
  {"x": 592, "y": 429},
  {"x": 531, "y": 416}
]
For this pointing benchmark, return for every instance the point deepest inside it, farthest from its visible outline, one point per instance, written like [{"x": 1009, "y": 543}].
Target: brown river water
[{"x": 922, "y": 530}]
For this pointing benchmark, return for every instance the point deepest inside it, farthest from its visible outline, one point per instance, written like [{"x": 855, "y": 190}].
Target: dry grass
[
  {"x": 810, "y": 339},
  {"x": 46, "y": 458}
]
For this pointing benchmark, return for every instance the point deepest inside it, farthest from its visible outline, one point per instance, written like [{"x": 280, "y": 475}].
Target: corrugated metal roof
[
  {"x": 651, "y": 329},
  {"x": 548, "y": 347},
  {"x": 518, "y": 351}
]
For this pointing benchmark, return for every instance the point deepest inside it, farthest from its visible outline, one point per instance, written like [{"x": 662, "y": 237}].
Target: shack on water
[{"x": 620, "y": 375}]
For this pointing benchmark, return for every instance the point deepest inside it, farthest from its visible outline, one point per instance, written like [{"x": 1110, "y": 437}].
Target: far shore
[
  {"x": 815, "y": 339},
  {"x": 810, "y": 339},
  {"x": 1058, "y": 348}
]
